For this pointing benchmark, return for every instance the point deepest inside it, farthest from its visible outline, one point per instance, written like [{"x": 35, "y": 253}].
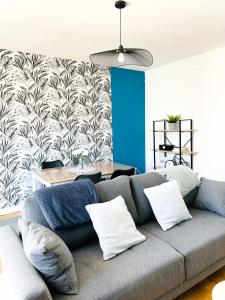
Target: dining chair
[
  {"x": 75, "y": 161},
  {"x": 119, "y": 172},
  {"x": 95, "y": 178},
  {"x": 52, "y": 164}
]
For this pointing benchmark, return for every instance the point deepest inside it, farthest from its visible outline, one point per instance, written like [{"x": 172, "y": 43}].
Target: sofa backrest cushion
[
  {"x": 31, "y": 211},
  {"x": 63, "y": 205},
  {"x": 138, "y": 184},
  {"x": 110, "y": 189},
  {"x": 189, "y": 199},
  {"x": 81, "y": 234},
  {"x": 74, "y": 237},
  {"x": 78, "y": 236},
  {"x": 211, "y": 196}
]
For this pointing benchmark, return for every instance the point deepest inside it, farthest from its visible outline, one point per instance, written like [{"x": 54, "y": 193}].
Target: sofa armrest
[{"x": 18, "y": 277}]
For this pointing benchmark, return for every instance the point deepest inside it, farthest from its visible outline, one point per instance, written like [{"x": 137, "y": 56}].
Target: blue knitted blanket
[{"x": 64, "y": 205}]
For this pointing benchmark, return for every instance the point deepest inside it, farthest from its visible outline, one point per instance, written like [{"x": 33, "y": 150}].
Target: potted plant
[
  {"x": 80, "y": 155},
  {"x": 173, "y": 122}
]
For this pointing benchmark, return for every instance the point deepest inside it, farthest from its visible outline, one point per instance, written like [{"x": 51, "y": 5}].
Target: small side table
[{"x": 218, "y": 292}]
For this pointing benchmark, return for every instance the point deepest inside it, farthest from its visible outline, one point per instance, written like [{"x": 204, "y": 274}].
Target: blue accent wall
[{"x": 128, "y": 117}]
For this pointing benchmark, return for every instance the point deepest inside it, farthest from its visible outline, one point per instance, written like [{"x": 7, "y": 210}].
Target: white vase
[
  {"x": 173, "y": 126},
  {"x": 81, "y": 162}
]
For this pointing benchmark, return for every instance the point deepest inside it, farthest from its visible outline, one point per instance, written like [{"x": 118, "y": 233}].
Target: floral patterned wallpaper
[{"x": 48, "y": 108}]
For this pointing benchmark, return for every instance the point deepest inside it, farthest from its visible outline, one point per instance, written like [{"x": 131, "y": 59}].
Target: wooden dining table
[{"x": 53, "y": 176}]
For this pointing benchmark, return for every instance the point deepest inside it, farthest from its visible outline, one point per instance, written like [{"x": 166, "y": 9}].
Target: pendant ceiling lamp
[{"x": 122, "y": 56}]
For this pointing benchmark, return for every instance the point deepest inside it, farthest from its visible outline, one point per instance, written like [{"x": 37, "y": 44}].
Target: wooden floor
[
  {"x": 202, "y": 291},
  {"x": 9, "y": 216}
]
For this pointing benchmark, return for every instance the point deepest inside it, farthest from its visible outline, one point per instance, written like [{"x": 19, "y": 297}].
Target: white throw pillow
[
  {"x": 185, "y": 177},
  {"x": 167, "y": 204},
  {"x": 114, "y": 226}
]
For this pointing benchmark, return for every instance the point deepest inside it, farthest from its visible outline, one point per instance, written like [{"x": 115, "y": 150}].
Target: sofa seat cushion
[
  {"x": 145, "y": 271},
  {"x": 201, "y": 240}
]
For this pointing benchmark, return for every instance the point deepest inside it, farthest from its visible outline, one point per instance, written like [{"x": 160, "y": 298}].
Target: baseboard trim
[{"x": 10, "y": 210}]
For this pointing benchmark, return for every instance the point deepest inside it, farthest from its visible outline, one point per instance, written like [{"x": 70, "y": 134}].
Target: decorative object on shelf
[
  {"x": 122, "y": 56},
  {"x": 80, "y": 154},
  {"x": 182, "y": 154},
  {"x": 184, "y": 150},
  {"x": 173, "y": 122},
  {"x": 175, "y": 161},
  {"x": 166, "y": 147}
]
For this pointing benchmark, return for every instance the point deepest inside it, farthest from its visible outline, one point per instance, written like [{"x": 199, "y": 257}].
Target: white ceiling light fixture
[{"x": 122, "y": 56}]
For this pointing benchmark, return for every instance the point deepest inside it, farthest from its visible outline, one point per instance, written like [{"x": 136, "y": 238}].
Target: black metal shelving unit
[{"x": 188, "y": 142}]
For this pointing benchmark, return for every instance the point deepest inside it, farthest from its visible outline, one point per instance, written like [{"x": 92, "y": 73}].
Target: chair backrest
[
  {"x": 52, "y": 164},
  {"x": 95, "y": 178},
  {"x": 75, "y": 161},
  {"x": 119, "y": 172}
]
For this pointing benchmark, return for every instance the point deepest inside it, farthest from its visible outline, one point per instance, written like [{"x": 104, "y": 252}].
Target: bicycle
[{"x": 175, "y": 161}]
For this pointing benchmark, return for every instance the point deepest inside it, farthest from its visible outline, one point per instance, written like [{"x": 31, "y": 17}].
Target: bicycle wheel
[
  {"x": 185, "y": 163},
  {"x": 169, "y": 163}
]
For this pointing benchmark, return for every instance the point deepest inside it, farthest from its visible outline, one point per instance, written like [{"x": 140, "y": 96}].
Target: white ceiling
[{"x": 171, "y": 30}]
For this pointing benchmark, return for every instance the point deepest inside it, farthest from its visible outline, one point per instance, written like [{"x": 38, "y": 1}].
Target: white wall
[{"x": 195, "y": 88}]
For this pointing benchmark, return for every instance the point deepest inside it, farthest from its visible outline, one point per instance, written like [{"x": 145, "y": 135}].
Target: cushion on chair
[
  {"x": 138, "y": 184},
  {"x": 110, "y": 189},
  {"x": 145, "y": 271},
  {"x": 201, "y": 240}
]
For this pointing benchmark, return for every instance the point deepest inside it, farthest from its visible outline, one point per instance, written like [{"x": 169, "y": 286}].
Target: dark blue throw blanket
[{"x": 64, "y": 205}]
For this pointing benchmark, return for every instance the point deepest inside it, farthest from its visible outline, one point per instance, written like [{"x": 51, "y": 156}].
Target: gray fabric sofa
[{"x": 163, "y": 267}]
